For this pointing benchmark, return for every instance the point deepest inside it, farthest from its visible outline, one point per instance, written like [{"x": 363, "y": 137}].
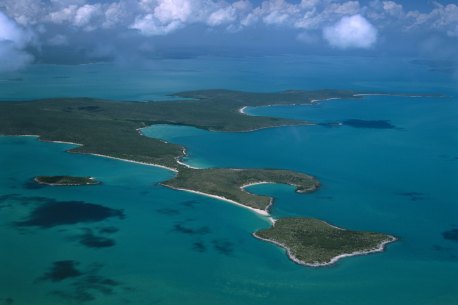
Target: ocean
[{"x": 164, "y": 246}]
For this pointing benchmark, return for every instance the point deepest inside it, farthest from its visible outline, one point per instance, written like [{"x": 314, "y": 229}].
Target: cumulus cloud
[
  {"x": 222, "y": 16},
  {"x": 13, "y": 41},
  {"x": 165, "y": 16},
  {"x": 351, "y": 32},
  {"x": 339, "y": 22}
]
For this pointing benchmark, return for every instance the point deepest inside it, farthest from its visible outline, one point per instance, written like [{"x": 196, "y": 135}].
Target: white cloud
[
  {"x": 351, "y": 32},
  {"x": 24, "y": 12},
  {"x": 165, "y": 16},
  {"x": 222, "y": 16},
  {"x": 308, "y": 19},
  {"x": 169, "y": 11},
  {"x": 149, "y": 25},
  {"x": 85, "y": 14},
  {"x": 66, "y": 14},
  {"x": 443, "y": 18},
  {"x": 392, "y": 8},
  {"x": 117, "y": 13},
  {"x": 13, "y": 41}
]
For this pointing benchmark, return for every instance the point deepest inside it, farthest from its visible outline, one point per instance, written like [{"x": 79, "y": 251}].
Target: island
[
  {"x": 112, "y": 129},
  {"x": 65, "y": 180},
  {"x": 313, "y": 242}
]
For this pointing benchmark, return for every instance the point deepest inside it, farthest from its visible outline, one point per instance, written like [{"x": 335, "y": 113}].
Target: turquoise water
[{"x": 179, "y": 248}]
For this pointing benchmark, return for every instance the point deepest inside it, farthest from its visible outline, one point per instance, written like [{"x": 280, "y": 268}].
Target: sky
[{"x": 81, "y": 31}]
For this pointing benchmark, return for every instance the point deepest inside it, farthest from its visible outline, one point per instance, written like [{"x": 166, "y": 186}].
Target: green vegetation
[
  {"x": 65, "y": 180},
  {"x": 229, "y": 183},
  {"x": 314, "y": 242},
  {"x": 111, "y": 128}
]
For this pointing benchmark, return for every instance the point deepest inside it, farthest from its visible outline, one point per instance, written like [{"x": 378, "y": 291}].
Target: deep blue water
[{"x": 173, "y": 247}]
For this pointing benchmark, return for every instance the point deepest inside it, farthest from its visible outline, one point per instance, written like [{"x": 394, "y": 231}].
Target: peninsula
[
  {"x": 229, "y": 184},
  {"x": 113, "y": 129},
  {"x": 65, "y": 180}
]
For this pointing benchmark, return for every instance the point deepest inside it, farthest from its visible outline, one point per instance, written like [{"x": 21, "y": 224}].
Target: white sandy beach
[
  {"x": 137, "y": 162},
  {"x": 258, "y": 211},
  {"x": 100, "y": 155}
]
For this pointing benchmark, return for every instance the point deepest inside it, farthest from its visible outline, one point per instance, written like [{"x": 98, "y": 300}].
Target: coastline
[
  {"x": 67, "y": 184},
  {"x": 271, "y": 199},
  {"x": 263, "y": 213},
  {"x": 380, "y": 248},
  {"x": 387, "y": 94},
  {"x": 316, "y": 101},
  {"x": 137, "y": 162},
  {"x": 98, "y": 155},
  {"x": 257, "y": 211},
  {"x": 306, "y": 103},
  {"x": 178, "y": 160},
  {"x": 255, "y": 183},
  {"x": 300, "y": 123}
]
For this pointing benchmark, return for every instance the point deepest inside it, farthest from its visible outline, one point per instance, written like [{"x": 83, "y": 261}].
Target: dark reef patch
[
  {"x": 7, "y": 197},
  {"x": 86, "y": 287},
  {"x": 7, "y": 301},
  {"x": 199, "y": 246},
  {"x": 168, "y": 211},
  {"x": 378, "y": 124},
  {"x": 108, "y": 230},
  {"x": 413, "y": 196},
  {"x": 50, "y": 213},
  {"x": 62, "y": 270},
  {"x": 223, "y": 246},
  {"x": 189, "y": 203},
  {"x": 446, "y": 253},
  {"x": 451, "y": 235},
  {"x": 90, "y": 240},
  {"x": 191, "y": 231},
  {"x": 442, "y": 248}
]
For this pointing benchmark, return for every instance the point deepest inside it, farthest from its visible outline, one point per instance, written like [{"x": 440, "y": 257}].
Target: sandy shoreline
[
  {"x": 258, "y": 211},
  {"x": 380, "y": 248},
  {"x": 386, "y": 94},
  {"x": 255, "y": 183},
  {"x": 100, "y": 155},
  {"x": 137, "y": 162},
  {"x": 264, "y": 213},
  {"x": 178, "y": 159}
]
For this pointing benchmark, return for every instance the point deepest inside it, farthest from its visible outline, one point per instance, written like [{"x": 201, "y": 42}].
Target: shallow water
[{"x": 173, "y": 247}]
